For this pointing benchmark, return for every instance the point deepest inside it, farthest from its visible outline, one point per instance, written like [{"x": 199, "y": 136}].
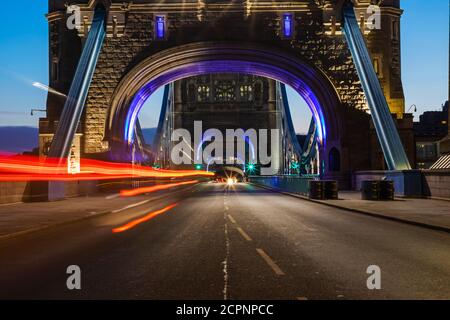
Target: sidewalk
[
  {"x": 22, "y": 218},
  {"x": 429, "y": 213}
]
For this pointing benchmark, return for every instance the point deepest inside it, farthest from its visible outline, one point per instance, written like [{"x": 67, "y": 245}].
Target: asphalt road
[{"x": 221, "y": 242}]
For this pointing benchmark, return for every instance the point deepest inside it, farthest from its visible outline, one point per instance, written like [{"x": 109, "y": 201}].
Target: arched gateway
[{"x": 205, "y": 58}]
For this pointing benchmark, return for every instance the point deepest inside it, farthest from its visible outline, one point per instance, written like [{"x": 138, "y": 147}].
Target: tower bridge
[{"x": 330, "y": 51}]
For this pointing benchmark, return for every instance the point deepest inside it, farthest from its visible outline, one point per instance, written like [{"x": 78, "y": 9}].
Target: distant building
[{"x": 432, "y": 128}]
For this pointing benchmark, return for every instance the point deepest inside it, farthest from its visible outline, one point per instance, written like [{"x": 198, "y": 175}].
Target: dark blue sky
[{"x": 23, "y": 60}]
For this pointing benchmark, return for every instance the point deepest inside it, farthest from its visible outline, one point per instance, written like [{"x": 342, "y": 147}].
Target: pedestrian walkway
[
  {"x": 422, "y": 211},
  {"x": 22, "y": 218},
  {"x": 429, "y": 213}
]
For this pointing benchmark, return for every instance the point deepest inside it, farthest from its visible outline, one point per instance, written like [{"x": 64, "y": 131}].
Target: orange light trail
[
  {"x": 135, "y": 192},
  {"x": 29, "y": 168},
  {"x": 61, "y": 177},
  {"x": 145, "y": 218}
]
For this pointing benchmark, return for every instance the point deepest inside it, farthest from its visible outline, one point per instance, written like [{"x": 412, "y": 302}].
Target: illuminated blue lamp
[
  {"x": 160, "y": 27},
  {"x": 251, "y": 167},
  {"x": 287, "y": 25}
]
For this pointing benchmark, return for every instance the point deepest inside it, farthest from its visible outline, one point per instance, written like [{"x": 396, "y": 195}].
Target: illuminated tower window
[
  {"x": 376, "y": 66},
  {"x": 288, "y": 25},
  {"x": 395, "y": 30},
  {"x": 203, "y": 93},
  {"x": 246, "y": 92},
  {"x": 362, "y": 22},
  {"x": 160, "y": 27},
  {"x": 55, "y": 69},
  {"x": 225, "y": 91}
]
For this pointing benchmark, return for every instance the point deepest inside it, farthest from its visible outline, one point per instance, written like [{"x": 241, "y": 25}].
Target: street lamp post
[
  {"x": 415, "y": 108},
  {"x": 37, "y": 110}
]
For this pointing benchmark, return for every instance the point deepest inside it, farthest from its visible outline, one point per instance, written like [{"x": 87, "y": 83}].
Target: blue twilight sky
[{"x": 23, "y": 60}]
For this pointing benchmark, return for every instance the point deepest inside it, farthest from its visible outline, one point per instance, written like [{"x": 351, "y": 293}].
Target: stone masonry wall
[{"x": 332, "y": 56}]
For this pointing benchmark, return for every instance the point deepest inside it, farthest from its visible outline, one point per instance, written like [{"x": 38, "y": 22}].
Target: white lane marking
[
  {"x": 232, "y": 219},
  {"x": 131, "y": 206},
  {"x": 270, "y": 262},
  {"x": 113, "y": 196},
  {"x": 306, "y": 227},
  {"x": 10, "y": 204},
  {"x": 225, "y": 262},
  {"x": 244, "y": 234}
]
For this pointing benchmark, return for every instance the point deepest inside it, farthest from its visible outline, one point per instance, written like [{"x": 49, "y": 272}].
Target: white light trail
[{"x": 48, "y": 89}]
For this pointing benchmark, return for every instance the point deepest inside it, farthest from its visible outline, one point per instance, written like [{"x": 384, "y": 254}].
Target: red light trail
[
  {"x": 28, "y": 168},
  {"x": 143, "y": 219},
  {"x": 135, "y": 192}
]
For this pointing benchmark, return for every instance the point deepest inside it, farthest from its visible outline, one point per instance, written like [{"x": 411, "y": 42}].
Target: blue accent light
[
  {"x": 287, "y": 25},
  {"x": 160, "y": 27},
  {"x": 251, "y": 168}
]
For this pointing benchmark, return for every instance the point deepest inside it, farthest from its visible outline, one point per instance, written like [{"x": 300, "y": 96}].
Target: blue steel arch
[
  {"x": 220, "y": 66},
  {"x": 219, "y": 57}
]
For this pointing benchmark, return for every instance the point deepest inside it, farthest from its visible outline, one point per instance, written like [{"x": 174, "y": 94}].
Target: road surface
[{"x": 222, "y": 242}]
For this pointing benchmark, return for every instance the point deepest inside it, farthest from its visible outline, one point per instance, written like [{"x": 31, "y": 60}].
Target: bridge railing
[{"x": 288, "y": 183}]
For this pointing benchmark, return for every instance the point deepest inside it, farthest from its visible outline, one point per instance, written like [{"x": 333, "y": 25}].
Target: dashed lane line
[
  {"x": 244, "y": 234},
  {"x": 270, "y": 262},
  {"x": 232, "y": 219}
]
